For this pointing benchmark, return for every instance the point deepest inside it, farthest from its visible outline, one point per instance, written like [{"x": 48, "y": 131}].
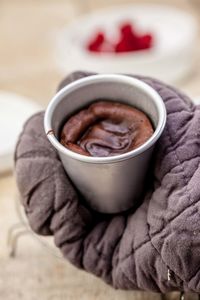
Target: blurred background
[
  {"x": 41, "y": 41},
  {"x": 27, "y": 33}
]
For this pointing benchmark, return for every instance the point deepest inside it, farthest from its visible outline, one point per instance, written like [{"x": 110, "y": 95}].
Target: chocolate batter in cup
[
  {"x": 109, "y": 183},
  {"x": 106, "y": 129}
]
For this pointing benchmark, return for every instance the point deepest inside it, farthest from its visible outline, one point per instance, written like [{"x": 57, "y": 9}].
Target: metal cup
[{"x": 109, "y": 184}]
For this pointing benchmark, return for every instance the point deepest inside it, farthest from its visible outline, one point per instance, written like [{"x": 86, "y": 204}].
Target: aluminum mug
[{"x": 115, "y": 183}]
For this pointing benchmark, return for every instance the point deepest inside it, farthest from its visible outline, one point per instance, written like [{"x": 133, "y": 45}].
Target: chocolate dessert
[{"x": 106, "y": 129}]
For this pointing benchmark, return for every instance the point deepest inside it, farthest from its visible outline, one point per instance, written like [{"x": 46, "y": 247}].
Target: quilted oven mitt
[{"x": 154, "y": 248}]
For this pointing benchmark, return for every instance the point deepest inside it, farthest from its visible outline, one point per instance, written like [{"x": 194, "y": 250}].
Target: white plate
[
  {"x": 14, "y": 111},
  {"x": 171, "y": 58}
]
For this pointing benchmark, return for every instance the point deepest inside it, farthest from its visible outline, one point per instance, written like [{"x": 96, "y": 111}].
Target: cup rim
[{"x": 101, "y": 78}]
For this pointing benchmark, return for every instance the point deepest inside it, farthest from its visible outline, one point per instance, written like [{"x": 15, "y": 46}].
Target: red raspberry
[
  {"x": 96, "y": 42},
  {"x": 126, "y": 29},
  {"x": 146, "y": 41},
  {"x": 129, "y": 41},
  {"x": 121, "y": 46}
]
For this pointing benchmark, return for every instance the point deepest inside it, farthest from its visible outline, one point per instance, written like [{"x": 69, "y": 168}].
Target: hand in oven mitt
[{"x": 155, "y": 247}]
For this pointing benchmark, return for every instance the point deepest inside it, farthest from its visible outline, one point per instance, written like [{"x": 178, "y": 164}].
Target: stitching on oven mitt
[{"x": 157, "y": 246}]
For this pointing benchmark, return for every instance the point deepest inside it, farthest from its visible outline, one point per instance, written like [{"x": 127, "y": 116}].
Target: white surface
[
  {"x": 196, "y": 100},
  {"x": 174, "y": 30},
  {"x": 14, "y": 111}
]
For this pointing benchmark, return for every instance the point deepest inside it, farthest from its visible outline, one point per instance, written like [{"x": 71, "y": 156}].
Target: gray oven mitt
[{"x": 155, "y": 247}]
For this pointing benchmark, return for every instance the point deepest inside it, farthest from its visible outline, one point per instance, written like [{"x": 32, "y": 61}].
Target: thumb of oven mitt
[{"x": 155, "y": 247}]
